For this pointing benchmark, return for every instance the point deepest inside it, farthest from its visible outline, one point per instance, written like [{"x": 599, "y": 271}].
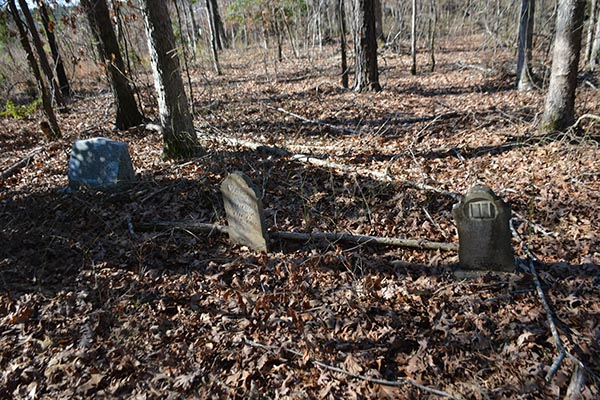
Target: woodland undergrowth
[{"x": 91, "y": 307}]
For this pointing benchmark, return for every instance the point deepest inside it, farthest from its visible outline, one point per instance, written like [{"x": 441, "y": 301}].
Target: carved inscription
[
  {"x": 482, "y": 210},
  {"x": 245, "y": 216}
]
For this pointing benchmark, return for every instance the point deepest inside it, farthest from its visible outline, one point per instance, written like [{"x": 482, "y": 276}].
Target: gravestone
[
  {"x": 101, "y": 164},
  {"x": 245, "y": 215},
  {"x": 482, "y": 219}
]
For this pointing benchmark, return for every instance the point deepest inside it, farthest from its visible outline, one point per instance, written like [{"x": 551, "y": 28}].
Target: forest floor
[{"x": 92, "y": 307}]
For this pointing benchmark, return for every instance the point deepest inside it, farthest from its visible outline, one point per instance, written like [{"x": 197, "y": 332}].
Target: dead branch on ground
[
  {"x": 209, "y": 229},
  {"x": 383, "y": 382},
  {"x": 364, "y": 239},
  {"x": 314, "y": 122},
  {"x": 25, "y": 161},
  {"x": 384, "y": 176}
]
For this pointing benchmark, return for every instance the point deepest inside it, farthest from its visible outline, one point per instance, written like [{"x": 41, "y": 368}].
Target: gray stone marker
[
  {"x": 101, "y": 164},
  {"x": 482, "y": 219},
  {"x": 245, "y": 215}
]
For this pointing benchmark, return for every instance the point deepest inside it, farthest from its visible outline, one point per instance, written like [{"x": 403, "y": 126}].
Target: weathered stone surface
[
  {"x": 245, "y": 215},
  {"x": 482, "y": 219},
  {"x": 101, "y": 164}
]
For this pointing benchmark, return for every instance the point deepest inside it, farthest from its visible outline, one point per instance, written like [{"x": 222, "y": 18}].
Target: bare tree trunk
[
  {"x": 525, "y": 43},
  {"x": 215, "y": 16},
  {"x": 185, "y": 55},
  {"x": 595, "y": 47},
  {"x": 559, "y": 111},
  {"x": 65, "y": 87},
  {"x": 365, "y": 45},
  {"x": 288, "y": 30},
  {"x": 214, "y": 39},
  {"x": 432, "y": 32},
  {"x": 184, "y": 34},
  {"x": 590, "y": 33},
  {"x": 277, "y": 31},
  {"x": 342, "y": 21},
  {"x": 179, "y": 137},
  {"x": 413, "y": 38},
  {"x": 194, "y": 28},
  {"x": 378, "y": 20},
  {"x": 46, "y": 101},
  {"x": 126, "y": 109},
  {"x": 37, "y": 43}
]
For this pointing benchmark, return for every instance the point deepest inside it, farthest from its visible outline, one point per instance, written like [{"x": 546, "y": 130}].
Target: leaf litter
[{"x": 93, "y": 308}]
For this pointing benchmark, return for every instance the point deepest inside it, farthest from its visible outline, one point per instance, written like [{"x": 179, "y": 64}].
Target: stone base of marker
[
  {"x": 100, "y": 164},
  {"x": 482, "y": 220},
  {"x": 245, "y": 214}
]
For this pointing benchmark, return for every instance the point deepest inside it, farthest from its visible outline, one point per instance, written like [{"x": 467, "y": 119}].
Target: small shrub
[{"x": 20, "y": 112}]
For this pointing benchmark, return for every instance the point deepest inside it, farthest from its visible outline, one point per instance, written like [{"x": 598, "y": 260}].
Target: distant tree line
[{"x": 124, "y": 34}]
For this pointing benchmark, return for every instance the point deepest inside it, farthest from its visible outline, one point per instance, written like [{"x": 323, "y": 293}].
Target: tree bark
[
  {"x": 559, "y": 110},
  {"x": 217, "y": 22},
  {"x": 43, "y": 59},
  {"x": 590, "y": 33},
  {"x": 595, "y": 47},
  {"x": 46, "y": 100},
  {"x": 214, "y": 38},
  {"x": 525, "y": 42},
  {"x": 342, "y": 21},
  {"x": 98, "y": 15},
  {"x": 413, "y": 38},
  {"x": 432, "y": 33},
  {"x": 194, "y": 27},
  {"x": 65, "y": 87},
  {"x": 179, "y": 137},
  {"x": 378, "y": 20},
  {"x": 365, "y": 45}
]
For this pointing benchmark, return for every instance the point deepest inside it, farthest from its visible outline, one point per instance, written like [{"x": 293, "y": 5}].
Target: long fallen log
[
  {"x": 423, "y": 244},
  {"x": 197, "y": 227}
]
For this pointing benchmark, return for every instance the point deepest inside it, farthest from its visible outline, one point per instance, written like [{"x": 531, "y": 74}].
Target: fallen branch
[
  {"x": 385, "y": 176},
  {"x": 586, "y": 116},
  {"x": 314, "y": 122},
  {"x": 577, "y": 382},
  {"x": 195, "y": 227},
  {"x": 363, "y": 239},
  {"x": 278, "y": 151},
  {"x": 305, "y": 158},
  {"x": 198, "y": 227},
  {"x": 20, "y": 164},
  {"x": 562, "y": 352},
  {"x": 383, "y": 382},
  {"x": 549, "y": 317},
  {"x": 536, "y": 227}
]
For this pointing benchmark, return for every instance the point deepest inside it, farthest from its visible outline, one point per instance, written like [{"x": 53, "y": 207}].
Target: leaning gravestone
[
  {"x": 482, "y": 219},
  {"x": 101, "y": 164},
  {"x": 245, "y": 215}
]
